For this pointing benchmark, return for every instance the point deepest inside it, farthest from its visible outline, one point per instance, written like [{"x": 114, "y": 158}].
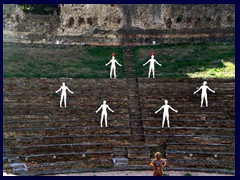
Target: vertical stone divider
[{"x": 135, "y": 115}]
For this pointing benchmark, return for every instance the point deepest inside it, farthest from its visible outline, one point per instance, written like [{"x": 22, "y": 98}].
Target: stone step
[
  {"x": 62, "y": 148},
  {"x": 65, "y": 114},
  {"x": 81, "y": 95},
  {"x": 220, "y": 81},
  {"x": 190, "y": 131},
  {"x": 68, "y": 165},
  {"x": 191, "y": 116},
  {"x": 64, "y": 111},
  {"x": 24, "y": 82},
  {"x": 119, "y": 151},
  {"x": 89, "y": 99},
  {"x": 35, "y": 82},
  {"x": 191, "y": 123},
  {"x": 186, "y": 100},
  {"x": 154, "y": 139},
  {"x": 201, "y": 159},
  {"x": 138, "y": 161},
  {"x": 207, "y": 164},
  {"x": 138, "y": 154},
  {"x": 118, "y": 113},
  {"x": 50, "y": 131},
  {"x": 158, "y": 148},
  {"x": 85, "y": 159},
  {"x": 74, "y": 104},
  {"x": 114, "y": 139},
  {"x": 186, "y": 103},
  {"x": 87, "y": 123},
  {"x": 190, "y": 87},
  {"x": 227, "y": 148},
  {"x": 186, "y": 111}
]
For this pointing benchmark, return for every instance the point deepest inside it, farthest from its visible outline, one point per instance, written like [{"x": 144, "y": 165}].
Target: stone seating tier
[{"x": 48, "y": 138}]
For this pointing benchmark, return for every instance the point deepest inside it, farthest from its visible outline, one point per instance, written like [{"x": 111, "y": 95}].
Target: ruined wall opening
[
  {"x": 71, "y": 22},
  {"x": 188, "y": 19},
  {"x": 179, "y": 19},
  {"x": 197, "y": 22},
  {"x": 230, "y": 19},
  {"x": 218, "y": 21},
  {"x": 168, "y": 23},
  {"x": 81, "y": 21},
  {"x": 90, "y": 21}
]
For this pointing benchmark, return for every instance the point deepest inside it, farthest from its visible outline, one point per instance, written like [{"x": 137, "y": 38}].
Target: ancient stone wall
[
  {"x": 28, "y": 28},
  {"x": 100, "y": 24}
]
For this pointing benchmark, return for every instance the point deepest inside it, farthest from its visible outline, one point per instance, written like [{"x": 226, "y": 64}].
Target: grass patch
[
  {"x": 194, "y": 60},
  {"x": 208, "y": 60},
  {"x": 53, "y": 62},
  {"x": 188, "y": 174},
  {"x": 165, "y": 174}
]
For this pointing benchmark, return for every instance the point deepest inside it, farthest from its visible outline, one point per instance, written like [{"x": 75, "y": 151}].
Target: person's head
[
  {"x": 152, "y": 55},
  {"x": 166, "y": 101},
  {"x": 113, "y": 55},
  {"x": 104, "y": 102},
  {"x": 157, "y": 155},
  {"x": 205, "y": 82},
  {"x": 63, "y": 84}
]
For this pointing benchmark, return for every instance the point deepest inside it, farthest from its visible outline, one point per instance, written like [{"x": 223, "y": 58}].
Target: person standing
[
  {"x": 158, "y": 164},
  {"x": 151, "y": 66},
  {"x": 64, "y": 94},
  {"x": 166, "y": 108},
  {"x": 113, "y": 62},
  {"x": 104, "y": 108},
  {"x": 204, "y": 88}
]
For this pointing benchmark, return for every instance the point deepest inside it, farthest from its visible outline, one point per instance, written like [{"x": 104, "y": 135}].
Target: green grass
[
  {"x": 188, "y": 174},
  {"x": 165, "y": 174},
  {"x": 53, "y": 62},
  {"x": 206, "y": 60},
  {"x": 194, "y": 60}
]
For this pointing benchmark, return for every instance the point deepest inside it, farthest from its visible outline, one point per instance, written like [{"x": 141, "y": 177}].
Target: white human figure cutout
[
  {"x": 165, "y": 108},
  {"x": 64, "y": 94},
  {"x": 113, "y": 61},
  {"x": 204, "y": 88},
  {"x": 151, "y": 66},
  {"x": 104, "y": 108}
]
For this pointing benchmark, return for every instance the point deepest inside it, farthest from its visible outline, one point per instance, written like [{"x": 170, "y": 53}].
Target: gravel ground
[{"x": 141, "y": 173}]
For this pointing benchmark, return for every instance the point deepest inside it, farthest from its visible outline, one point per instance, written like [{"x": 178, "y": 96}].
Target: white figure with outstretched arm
[
  {"x": 64, "y": 94},
  {"x": 104, "y": 108},
  {"x": 151, "y": 66},
  {"x": 204, "y": 88},
  {"x": 165, "y": 108},
  {"x": 113, "y": 62}
]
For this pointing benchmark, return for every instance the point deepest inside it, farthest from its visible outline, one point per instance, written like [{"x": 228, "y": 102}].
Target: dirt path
[{"x": 142, "y": 173}]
